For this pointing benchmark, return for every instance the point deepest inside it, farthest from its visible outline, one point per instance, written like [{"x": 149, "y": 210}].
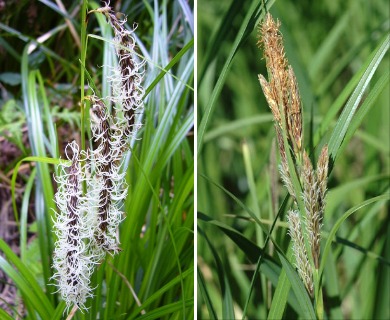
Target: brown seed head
[
  {"x": 272, "y": 43},
  {"x": 294, "y": 116},
  {"x": 281, "y": 91},
  {"x": 271, "y": 99},
  {"x": 322, "y": 170}
]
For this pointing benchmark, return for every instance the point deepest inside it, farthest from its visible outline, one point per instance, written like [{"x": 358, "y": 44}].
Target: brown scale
[
  {"x": 104, "y": 205},
  {"x": 126, "y": 65},
  {"x": 104, "y": 127},
  {"x": 72, "y": 204}
]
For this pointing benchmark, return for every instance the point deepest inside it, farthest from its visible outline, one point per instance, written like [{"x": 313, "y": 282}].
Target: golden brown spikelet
[
  {"x": 282, "y": 95},
  {"x": 281, "y": 91}
]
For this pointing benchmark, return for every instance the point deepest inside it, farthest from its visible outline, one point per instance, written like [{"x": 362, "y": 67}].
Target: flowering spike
[
  {"x": 112, "y": 187},
  {"x": 88, "y": 221},
  {"x": 281, "y": 91},
  {"x": 313, "y": 216},
  {"x": 282, "y": 95},
  {"x": 126, "y": 79},
  {"x": 72, "y": 262},
  {"x": 322, "y": 174},
  {"x": 302, "y": 262}
]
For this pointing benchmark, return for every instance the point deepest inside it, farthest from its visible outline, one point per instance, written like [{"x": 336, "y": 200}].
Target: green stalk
[
  {"x": 259, "y": 231},
  {"x": 301, "y": 206},
  {"x": 82, "y": 72},
  {"x": 319, "y": 303}
]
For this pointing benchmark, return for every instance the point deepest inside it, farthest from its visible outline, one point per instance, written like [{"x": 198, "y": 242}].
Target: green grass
[
  {"x": 156, "y": 262},
  {"x": 339, "y": 52}
]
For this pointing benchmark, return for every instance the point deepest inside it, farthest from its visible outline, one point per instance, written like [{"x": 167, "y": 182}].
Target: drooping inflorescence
[
  {"x": 126, "y": 77},
  {"x": 106, "y": 158},
  {"x": 72, "y": 261},
  {"x": 91, "y": 190},
  {"x": 282, "y": 94}
]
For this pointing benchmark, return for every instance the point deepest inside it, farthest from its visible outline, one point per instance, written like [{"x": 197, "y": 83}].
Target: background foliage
[{"x": 327, "y": 43}]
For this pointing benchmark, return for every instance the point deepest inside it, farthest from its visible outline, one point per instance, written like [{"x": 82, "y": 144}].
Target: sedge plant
[
  {"x": 305, "y": 220},
  {"x": 114, "y": 231},
  {"x": 332, "y": 195}
]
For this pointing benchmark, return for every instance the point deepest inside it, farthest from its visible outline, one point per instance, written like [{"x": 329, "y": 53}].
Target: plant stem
[
  {"x": 319, "y": 302},
  {"x": 82, "y": 75}
]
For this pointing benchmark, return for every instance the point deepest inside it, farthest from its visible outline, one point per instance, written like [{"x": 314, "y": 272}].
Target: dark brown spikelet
[
  {"x": 131, "y": 77},
  {"x": 102, "y": 136},
  {"x": 100, "y": 124},
  {"x": 126, "y": 64},
  {"x": 73, "y": 218}
]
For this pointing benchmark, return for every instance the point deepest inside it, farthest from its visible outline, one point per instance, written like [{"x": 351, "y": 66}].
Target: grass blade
[
  {"x": 26, "y": 282},
  {"x": 337, "y": 225},
  {"x": 205, "y": 295},
  {"x": 247, "y": 26},
  {"x": 307, "y": 311},
  {"x": 346, "y": 117},
  {"x": 279, "y": 298},
  {"x": 227, "y": 300}
]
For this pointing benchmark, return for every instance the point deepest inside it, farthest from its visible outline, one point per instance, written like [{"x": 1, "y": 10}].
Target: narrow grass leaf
[
  {"x": 91, "y": 82},
  {"x": 169, "y": 66},
  {"x": 58, "y": 10},
  {"x": 368, "y": 253},
  {"x": 4, "y": 315},
  {"x": 31, "y": 41},
  {"x": 226, "y": 295},
  {"x": 324, "y": 53},
  {"x": 205, "y": 295},
  {"x": 83, "y": 55},
  {"x": 366, "y": 106},
  {"x": 25, "y": 282},
  {"x": 306, "y": 307},
  {"x": 350, "y": 108},
  {"x": 233, "y": 127},
  {"x": 24, "y": 214},
  {"x": 9, "y": 48},
  {"x": 240, "y": 203},
  {"x": 247, "y": 25},
  {"x": 338, "y": 223},
  {"x": 332, "y": 289},
  {"x": 15, "y": 173},
  {"x": 337, "y": 195},
  {"x": 179, "y": 136},
  {"x": 251, "y": 250},
  {"x": 59, "y": 311},
  {"x": 157, "y": 294},
  {"x": 221, "y": 33},
  {"x": 382, "y": 310},
  {"x": 268, "y": 265},
  {"x": 44, "y": 196},
  {"x": 280, "y": 296},
  {"x": 164, "y": 311}
]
